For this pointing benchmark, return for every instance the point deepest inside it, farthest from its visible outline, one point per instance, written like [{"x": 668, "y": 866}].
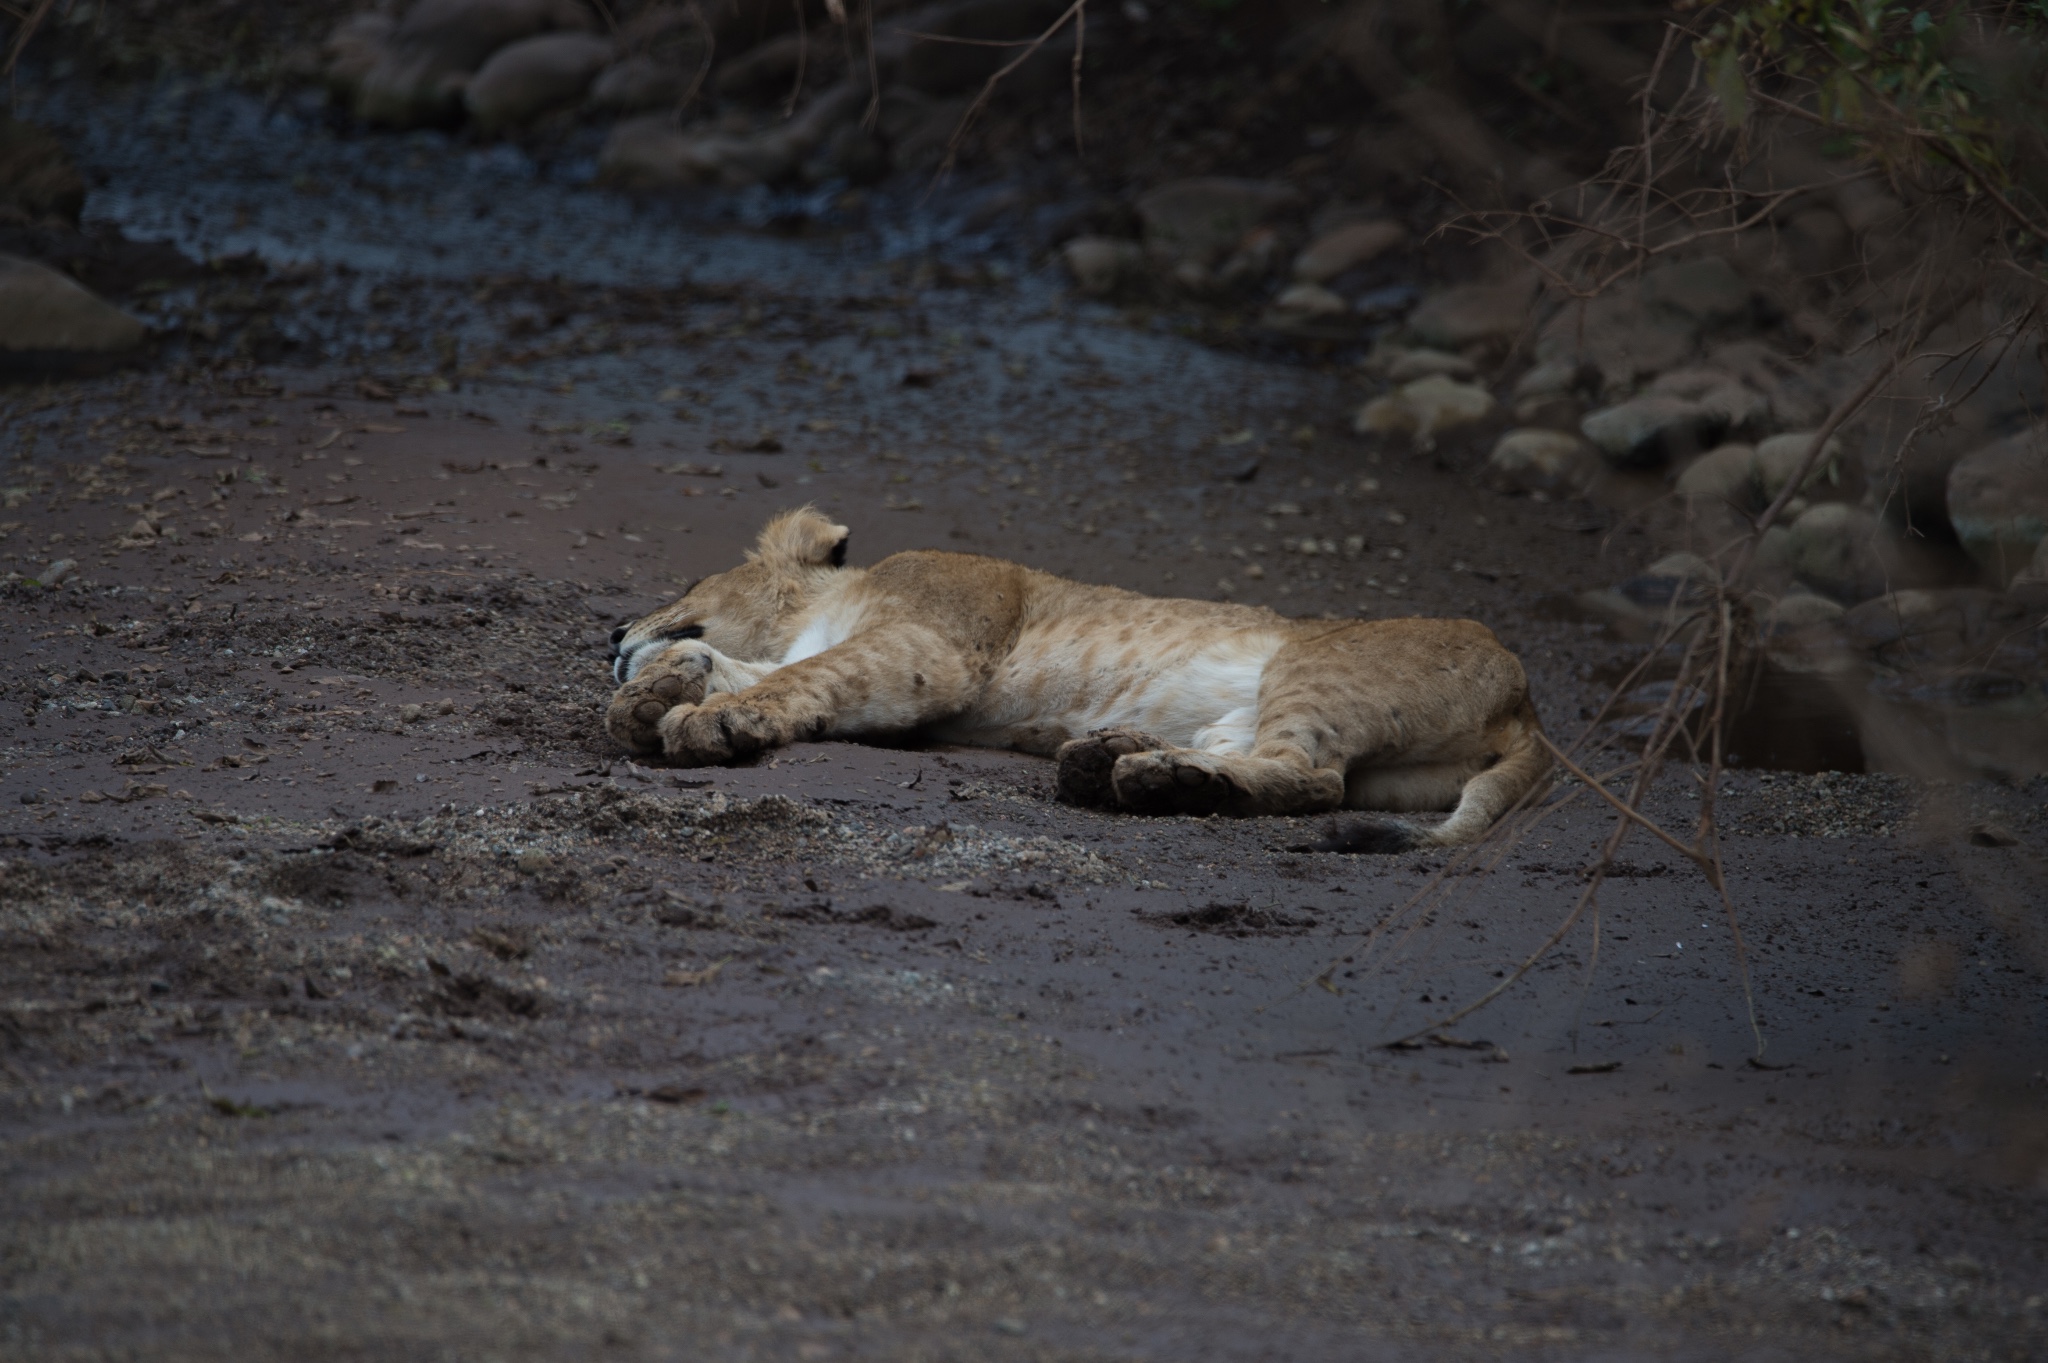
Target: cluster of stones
[
  {"x": 695, "y": 100},
  {"x": 1660, "y": 385}
]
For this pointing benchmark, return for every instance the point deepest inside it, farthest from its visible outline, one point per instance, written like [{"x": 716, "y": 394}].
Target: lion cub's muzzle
[
  {"x": 617, "y": 660},
  {"x": 624, "y": 657}
]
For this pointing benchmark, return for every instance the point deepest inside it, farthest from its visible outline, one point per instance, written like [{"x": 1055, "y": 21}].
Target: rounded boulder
[
  {"x": 1099, "y": 264},
  {"x": 639, "y": 83},
  {"x": 1533, "y": 460},
  {"x": 54, "y": 321},
  {"x": 426, "y": 63},
  {"x": 1346, "y": 248},
  {"x": 1651, "y": 430},
  {"x": 1424, "y": 408},
  {"x": 1839, "y": 550},
  {"x": 1726, "y": 473},
  {"x": 526, "y": 79},
  {"x": 1779, "y": 459},
  {"x": 1201, "y": 220},
  {"x": 1998, "y": 502}
]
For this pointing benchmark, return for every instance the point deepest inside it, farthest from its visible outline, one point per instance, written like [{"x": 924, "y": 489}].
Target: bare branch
[
  {"x": 988, "y": 90},
  {"x": 1627, "y": 811},
  {"x": 24, "y": 33}
]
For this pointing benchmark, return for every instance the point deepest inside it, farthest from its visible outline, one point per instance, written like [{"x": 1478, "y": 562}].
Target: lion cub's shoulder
[{"x": 951, "y": 576}]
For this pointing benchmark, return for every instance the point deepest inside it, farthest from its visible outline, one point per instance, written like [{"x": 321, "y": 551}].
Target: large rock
[
  {"x": 1532, "y": 460},
  {"x": 1998, "y": 502},
  {"x": 1474, "y": 314},
  {"x": 1308, "y": 302},
  {"x": 1779, "y": 459},
  {"x": 1199, "y": 221},
  {"x": 427, "y": 61},
  {"x": 406, "y": 90},
  {"x": 1099, "y": 264},
  {"x": 1406, "y": 365},
  {"x": 354, "y": 47},
  {"x": 1346, "y": 248},
  {"x": 639, "y": 83},
  {"x": 50, "y": 321},
  {"x": 526, "y": 79},
  {"x": 464, "y": 33},
  {"x": 1257, "y": 256},
  {"x": 1922, "y": 615},
  {"x": 1652, "y": 430},
  {"x": 1726, "y": 473},
  {"x": 1424, "y": 408},
  {"x": 650, "y": 152},
  {"x": 38, "y": 183},
  {"x": 1771, "y": 569},
  {"x": 1719, "y": 392},
  {"x": 1840, "y": 550},
  {"x": 1668, "y": 596},
  {"x": 2034, "y": 576},
  {"x": 1800, "y": 611},
  {"x": 1551, "y": 378},
  {"x": 1630, "y": 334},
  {"x": 1707, "y": 291},
  {"x": 1619, "y": 336}
]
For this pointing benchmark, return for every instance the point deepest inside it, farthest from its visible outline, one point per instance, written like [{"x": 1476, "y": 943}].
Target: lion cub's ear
[{"x": 802, "y": 539}]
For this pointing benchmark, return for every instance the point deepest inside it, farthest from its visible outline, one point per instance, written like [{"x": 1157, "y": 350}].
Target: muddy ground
[{"x": 359, "y": 1000}]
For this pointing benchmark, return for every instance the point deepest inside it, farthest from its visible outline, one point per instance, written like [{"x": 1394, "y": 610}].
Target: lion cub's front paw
[
  {"x": 1085, "y": 765},
  {"x": 702, "y": 735},
  {"x": 1174, "y": 782},
  {"x": 635, "y": 715}
]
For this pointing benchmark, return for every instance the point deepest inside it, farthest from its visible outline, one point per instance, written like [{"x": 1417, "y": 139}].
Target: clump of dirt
[{"x": 1239, "y": 920}]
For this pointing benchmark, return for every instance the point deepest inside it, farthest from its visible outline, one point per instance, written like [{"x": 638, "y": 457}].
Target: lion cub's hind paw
[
  {"x": 634, "y": 716},
  {"x": 1175, "y": 782},
  {"x": 1377, "y": 835},
  {"x": 1086, "y": 765}
]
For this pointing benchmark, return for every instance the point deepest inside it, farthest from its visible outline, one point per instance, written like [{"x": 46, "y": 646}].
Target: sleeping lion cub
[{"x": 1149, "y": 705}]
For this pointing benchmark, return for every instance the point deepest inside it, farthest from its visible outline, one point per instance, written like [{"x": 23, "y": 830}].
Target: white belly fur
[
  {"x": 827, "y": 628},
  {"x": 1198, "y": 695}
]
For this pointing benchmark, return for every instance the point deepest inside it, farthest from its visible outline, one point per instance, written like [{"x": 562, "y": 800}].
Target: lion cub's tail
[{"x": 1524, "y": 765}]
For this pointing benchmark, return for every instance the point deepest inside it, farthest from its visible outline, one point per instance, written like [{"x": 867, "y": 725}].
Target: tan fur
[{"x": 1150, "y": 705}]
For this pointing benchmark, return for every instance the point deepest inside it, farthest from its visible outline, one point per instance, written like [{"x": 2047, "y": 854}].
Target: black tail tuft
[{"x": 1375, "y": 836}]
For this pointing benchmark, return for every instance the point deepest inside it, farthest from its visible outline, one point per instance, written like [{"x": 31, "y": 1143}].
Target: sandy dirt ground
[
  {"x": 361, "y": 1001},
  {"x": 358, "y": 999}
]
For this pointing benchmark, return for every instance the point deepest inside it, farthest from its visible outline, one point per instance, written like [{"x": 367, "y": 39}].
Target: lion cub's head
[{"x": 746, "y": 611}]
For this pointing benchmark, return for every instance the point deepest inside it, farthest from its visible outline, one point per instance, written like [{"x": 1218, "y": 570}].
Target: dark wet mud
[{"x": 359, "y": 1000}]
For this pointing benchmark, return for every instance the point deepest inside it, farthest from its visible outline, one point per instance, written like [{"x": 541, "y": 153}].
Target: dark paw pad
[
  {"x": 1171, "y": 783},
  {"x": 1371, "y": 837},
  {"x": 1086, "y": 764}
]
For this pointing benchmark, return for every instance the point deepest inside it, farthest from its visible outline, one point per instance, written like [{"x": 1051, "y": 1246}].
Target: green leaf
[
  {"x": 1922, "y": 22},
  {"x": 1730, "y": 86}
]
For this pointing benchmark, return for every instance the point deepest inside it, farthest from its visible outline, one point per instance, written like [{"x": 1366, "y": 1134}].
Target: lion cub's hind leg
[
  {"x": 1185, "y": 781},
  {"x": 1086, "y": 765}
]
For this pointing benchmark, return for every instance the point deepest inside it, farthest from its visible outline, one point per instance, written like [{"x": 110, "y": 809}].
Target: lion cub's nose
[{"x": 618, "y": 634}]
